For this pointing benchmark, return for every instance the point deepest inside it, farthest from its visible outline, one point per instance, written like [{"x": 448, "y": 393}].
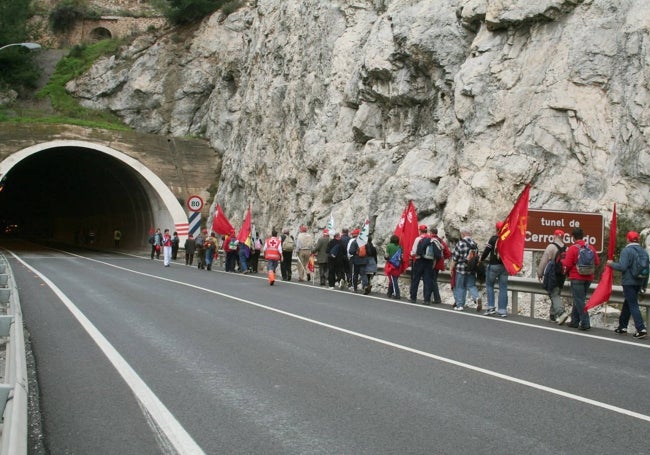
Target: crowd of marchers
[{"x": 345, "y": 262}]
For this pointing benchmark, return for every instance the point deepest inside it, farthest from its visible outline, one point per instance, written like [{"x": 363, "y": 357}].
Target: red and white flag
[{"x": 512, "y": 235}]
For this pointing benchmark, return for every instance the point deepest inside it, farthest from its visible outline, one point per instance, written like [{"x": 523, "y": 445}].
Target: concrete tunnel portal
[{"x": 63, "y": 190}]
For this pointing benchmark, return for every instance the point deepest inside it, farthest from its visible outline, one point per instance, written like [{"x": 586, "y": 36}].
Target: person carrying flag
[{"x": 632, "y": 285}]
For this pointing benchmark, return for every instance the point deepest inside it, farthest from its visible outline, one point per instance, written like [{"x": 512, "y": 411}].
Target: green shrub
[
  {"x": 66, "y": 14},
  {"x": 181, "y": 12}
]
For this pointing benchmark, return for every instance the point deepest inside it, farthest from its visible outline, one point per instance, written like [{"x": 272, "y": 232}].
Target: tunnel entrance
[{"x": 73, "y": 193}]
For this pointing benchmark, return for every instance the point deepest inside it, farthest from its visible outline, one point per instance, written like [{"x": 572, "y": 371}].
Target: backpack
[
  {"x": 232, "y": 243},
  {"x": 288, "y": 244},
  {"x": 362, "y": 251},
  {"x": 553, "y": 276},
  {"x": 434, "y": 250},
  {"x": 640, "y": 268},
  {"x": 423, "y": 244},
  {"x": 396, "y": 258},
  {"x": 472, "y": 258},
  {"x": 586, "y": 264}
]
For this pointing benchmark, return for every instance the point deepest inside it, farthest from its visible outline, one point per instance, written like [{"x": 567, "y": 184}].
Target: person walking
[
  {"x": 167, "y": 247},
  {"x": 496, "y": 273},
  {"x": 320, "y": 250},
  {"x": 175, "y": 245},
  {"x": 335, "y": 255},
  {"x": 304, "y": 245},
  {"x": 633, "y": 259},
  {"x": 273, "y": 254},
  {"x": 190, "y": 248},
  {"x": 553, "y": 253},
  {"x": 393, "y": 266},
  {"x": 200, "y": 248},
  {"x": 288, "y": 245},
  {"x": 156, "y": 243},
  {"x": 117, "y": 236},
  {"x": 465, "y": 278},
  {"x": 230, "y": 249},
  {"x": 255, "y": 253},
  {"x": 210, "y": 246},
  {"x": 440, "y": 264},
  {"x": 580, "y": 265},
  {"x": 358, "y": 257},
  {"x": 422, "y": 267}
]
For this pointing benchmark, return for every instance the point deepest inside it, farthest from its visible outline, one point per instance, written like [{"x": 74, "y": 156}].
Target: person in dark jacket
[
  {"x": 190, "y": 248},
  {"x": 632, "y": 285},
  {"x": 335, "y": 254}
]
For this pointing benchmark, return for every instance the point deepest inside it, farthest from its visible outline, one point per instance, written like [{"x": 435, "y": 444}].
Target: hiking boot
[
  {"x": 479, "y": 305},
  {"x": 584, "y": 327},
  {"x": 561, "y": 319},
  {"x": 621, "y": 330},
  {"x": 641, "y": 335},
  {"x": 490, "y": 311}
]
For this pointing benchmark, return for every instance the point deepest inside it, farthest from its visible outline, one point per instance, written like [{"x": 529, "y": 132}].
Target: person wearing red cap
[
  {"x": 633, "y": 264},
  {"x": 580, "y": 280},
  {"x": 320, "y": 250},
  {"x": 555, "y": 278},
  {"x": 304, "y": 245},
  {"x": 422, "y": 267}
]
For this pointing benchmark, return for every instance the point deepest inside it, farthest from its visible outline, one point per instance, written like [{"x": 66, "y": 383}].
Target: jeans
[
  {"x": 631, "y": 307},
  {"x": 359, "y": 272},
  {"x": 434, "y": 286},
  {"x": 497, "y": 273},
  {"x": 465, "y": 282},
  {"x": 557, "y": 307},
  {"x": 242, "y": 261},
  {"x": 579, "y": 290},
  {"x": 422, "y": 270},
  {"x": 393, "y": 286}
]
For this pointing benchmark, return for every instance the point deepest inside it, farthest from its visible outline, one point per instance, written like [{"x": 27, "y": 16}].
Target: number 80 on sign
[{"x": 195, "y": 203}]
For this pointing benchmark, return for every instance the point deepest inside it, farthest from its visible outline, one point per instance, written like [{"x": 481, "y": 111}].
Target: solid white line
[
  {"x": 167, "y": 424},
  {"x": 467, "y": 366}
]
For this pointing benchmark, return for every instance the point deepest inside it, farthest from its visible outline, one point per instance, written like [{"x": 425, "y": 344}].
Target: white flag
[
  {"x": 330, "y": 224},
  {"x": 365, "y": 232}
]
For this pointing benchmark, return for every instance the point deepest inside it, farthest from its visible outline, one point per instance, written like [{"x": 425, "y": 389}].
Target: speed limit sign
[{"x": 195, "y": 203}]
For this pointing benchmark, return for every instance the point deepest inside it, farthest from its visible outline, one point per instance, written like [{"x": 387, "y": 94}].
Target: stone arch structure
[
  {"x": 100, "y": 33},
  {"x": 60, "y": 187}
]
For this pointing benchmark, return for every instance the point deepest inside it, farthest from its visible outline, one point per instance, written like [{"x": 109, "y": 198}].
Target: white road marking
[
  {"x": 166, "y": 424},
  {"x": 447, "y": 360}
]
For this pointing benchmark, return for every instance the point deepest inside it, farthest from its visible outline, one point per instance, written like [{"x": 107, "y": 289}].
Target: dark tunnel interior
[{"x": 68, "y": 193}]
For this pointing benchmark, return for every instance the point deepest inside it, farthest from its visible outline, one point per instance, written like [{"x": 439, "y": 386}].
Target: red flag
[
  {"x": 220, "y": 223},
  {"x": 245, "y": 231},
  {"x": 512, "y": 235},
  {"x": 604, "y": 289},
  {"x": 407, "y": 231}
]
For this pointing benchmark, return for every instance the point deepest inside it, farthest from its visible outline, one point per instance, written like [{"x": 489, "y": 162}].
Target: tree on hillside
[
  {"x": 18, "y": 69},
  {"x": 181, "y": 12}
]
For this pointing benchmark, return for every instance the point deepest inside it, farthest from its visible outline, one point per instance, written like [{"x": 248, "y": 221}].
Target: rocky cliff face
[{"x": 355, "y": 107}]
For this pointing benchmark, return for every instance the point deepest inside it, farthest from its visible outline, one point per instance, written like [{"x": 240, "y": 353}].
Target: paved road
[{"x": 135, "y": 358}]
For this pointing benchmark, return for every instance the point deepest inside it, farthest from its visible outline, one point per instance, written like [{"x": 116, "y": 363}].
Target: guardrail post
[{"x": 515, "y": 302}]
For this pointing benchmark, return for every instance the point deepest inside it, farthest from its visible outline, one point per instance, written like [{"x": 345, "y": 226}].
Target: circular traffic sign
[{"x": 195, "y": 203}]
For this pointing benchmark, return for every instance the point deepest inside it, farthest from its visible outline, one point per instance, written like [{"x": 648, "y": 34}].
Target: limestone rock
[{"x": 353, "y": 108}]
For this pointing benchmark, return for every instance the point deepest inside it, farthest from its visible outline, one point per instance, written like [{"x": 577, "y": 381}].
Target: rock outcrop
[{"x": 355, "y": 107}]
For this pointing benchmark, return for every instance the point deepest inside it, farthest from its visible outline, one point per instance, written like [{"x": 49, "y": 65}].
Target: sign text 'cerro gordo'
[{"x": 543, "y": 223}]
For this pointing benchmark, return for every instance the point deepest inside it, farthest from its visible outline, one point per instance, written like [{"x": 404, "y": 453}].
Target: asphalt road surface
[{"x": 136, "y": 358}]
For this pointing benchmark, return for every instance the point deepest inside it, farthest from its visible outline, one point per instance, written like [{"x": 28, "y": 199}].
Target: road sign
[
  {"x": 195, "y": 203},
  {"x": 543, "y": 223}
]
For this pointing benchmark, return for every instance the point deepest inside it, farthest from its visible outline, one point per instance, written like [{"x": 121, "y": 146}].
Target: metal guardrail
[{"x": 13, "y": 391}]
